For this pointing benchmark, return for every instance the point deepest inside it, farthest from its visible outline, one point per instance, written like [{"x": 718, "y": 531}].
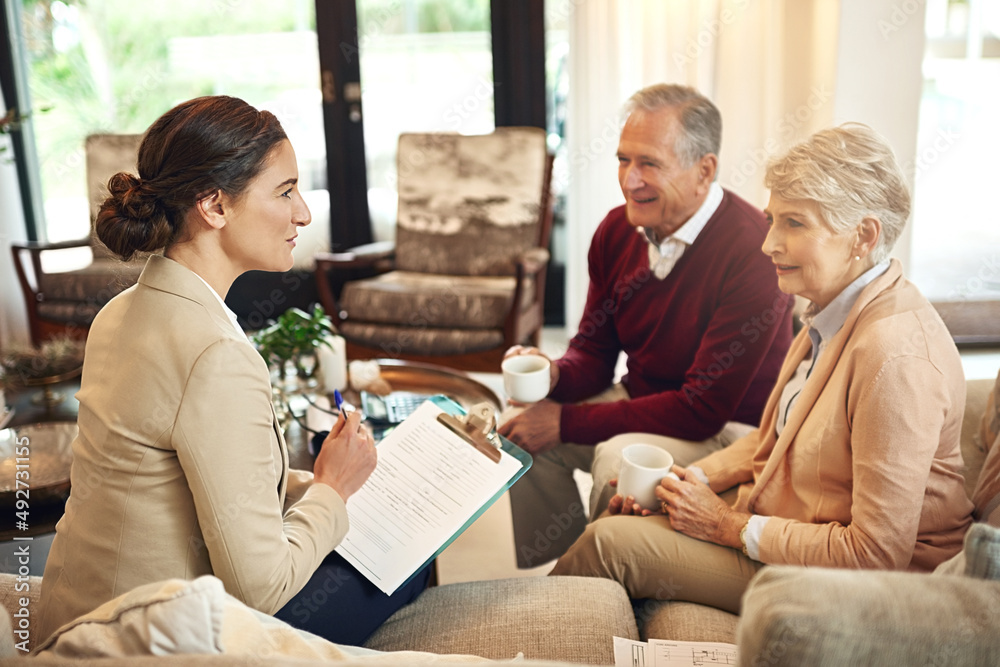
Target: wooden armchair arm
[
  {"x": 376, "y": 257},
  {"x": 35, "y": 249},
  {"x": 370, "y": 255},
  {"x": 533, "y": 264},
  {"x": 39, "y": 246}
]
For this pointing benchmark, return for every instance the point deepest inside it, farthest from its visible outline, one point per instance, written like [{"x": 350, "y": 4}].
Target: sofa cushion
[
  {"x": 394, "y": 340},
  {"x": 974, "y": 446},
  {"x": 816, "y": 616},
  {"x": 181, "y": 617},
  {"x": 986, "y": 495},
  {"x": 684, "y": 621},
  {"x": 545, "y": 618},
  {"x": 433, "y": 300}
]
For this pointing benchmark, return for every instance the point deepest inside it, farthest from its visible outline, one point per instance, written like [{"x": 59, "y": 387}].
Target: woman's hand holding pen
[{"x": 347, "y": 457}]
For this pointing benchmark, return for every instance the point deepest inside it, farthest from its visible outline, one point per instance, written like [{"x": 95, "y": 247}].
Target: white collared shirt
[
  {"x": 230, "y": 313},
  {"x": 822, "y": 326},
  {"x": 663, "y": 257}
]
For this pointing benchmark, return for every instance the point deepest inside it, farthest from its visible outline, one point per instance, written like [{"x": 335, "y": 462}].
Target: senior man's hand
[
  {"x": 536, "y": 429},
  {"x": 697, "y": 511}
]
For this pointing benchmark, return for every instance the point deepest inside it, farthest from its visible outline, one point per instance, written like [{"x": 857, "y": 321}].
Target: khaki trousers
[
  {"x": 653, "y": 561},
  {"x": 548, "y": 514}
]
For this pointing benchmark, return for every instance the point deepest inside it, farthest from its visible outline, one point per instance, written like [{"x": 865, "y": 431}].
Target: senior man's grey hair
[
  {"x": 851, "y": 172},
  {"x": 699, "y": 117}
]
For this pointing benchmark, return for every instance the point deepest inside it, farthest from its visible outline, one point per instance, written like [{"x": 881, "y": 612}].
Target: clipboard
[
  {"x": 478, "y": 431},
  {"x": 478, "y": 427}
]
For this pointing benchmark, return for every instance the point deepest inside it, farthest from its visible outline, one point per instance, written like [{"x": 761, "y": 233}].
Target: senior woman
[{"x": 856, "y": 461}]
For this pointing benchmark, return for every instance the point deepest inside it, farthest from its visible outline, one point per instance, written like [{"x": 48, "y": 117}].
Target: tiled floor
[{"x": 486, "y": 549}]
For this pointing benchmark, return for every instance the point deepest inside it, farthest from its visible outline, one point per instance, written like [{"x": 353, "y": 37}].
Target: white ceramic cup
[
  {"x": 526, "y": 377},
  {"x": 643, "y": 466}
]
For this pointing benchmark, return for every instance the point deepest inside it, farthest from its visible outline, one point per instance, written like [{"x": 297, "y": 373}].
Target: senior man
[{"x": 677, "y": 283}]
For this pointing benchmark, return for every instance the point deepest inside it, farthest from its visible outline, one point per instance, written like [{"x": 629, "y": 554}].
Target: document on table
[
  {"x": 427, "y": 488},
  {"x": 670, "y": 653}
]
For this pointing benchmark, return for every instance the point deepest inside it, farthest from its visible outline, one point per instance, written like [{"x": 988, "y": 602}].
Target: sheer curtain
[
  {"x": 769, "y": 65},
  {"x": 13, "y": 318}
]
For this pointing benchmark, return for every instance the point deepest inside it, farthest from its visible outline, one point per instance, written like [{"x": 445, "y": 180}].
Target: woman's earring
[{"x": 857, "y": 258}]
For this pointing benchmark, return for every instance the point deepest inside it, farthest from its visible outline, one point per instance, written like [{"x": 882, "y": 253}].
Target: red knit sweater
[{"x": 704, "y": 345}]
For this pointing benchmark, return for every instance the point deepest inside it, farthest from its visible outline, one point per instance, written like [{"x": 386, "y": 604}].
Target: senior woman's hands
[
  {"x": 347, "y": 456},
  {"x": 693, "y": 509}
]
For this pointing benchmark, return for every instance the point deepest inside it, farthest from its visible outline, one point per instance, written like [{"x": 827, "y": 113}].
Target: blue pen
[{"x": 339, "y": 400}]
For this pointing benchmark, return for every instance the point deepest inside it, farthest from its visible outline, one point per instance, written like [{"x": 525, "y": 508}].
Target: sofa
[{"x": 791, "y": 616}]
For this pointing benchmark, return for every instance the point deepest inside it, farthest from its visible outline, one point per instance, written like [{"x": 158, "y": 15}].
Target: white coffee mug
[
  {"x": 643, "y": 466},
  {"x": 526, "y": 377}
]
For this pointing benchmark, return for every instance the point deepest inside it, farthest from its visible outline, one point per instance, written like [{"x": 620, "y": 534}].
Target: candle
[{"x": 332, "y": 359}]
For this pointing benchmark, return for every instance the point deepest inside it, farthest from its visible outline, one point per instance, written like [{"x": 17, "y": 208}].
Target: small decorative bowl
[{"x": 44, "y": 451}]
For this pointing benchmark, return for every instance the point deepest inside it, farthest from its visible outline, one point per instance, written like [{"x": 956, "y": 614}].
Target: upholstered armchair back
[
  {"x": 107, "y": 154},
  {"x": 469, "y": 205}
]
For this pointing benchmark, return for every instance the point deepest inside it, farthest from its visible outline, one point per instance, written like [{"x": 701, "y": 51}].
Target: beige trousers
[
  {"x": 548, "y": 514},
  {"x": 653, "y": 561}
]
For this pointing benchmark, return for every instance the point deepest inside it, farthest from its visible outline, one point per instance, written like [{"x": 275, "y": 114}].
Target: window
[
  {"x": 426, "y": 66},
  {"x": 114, "y": 66},
  {"x": 956, "y": 235}
]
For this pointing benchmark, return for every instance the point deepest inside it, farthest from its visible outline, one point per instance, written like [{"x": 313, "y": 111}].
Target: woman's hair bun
[{"x": 132, "y": 219}]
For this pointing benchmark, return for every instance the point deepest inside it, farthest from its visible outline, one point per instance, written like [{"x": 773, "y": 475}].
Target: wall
[
  {"x": 778, "y": 70},
  {"x": 13, "y": 318},
  {"x": 879, "y": 80}
]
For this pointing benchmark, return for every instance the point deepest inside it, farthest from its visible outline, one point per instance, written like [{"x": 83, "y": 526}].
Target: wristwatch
[{"x": 743, "y": 537}]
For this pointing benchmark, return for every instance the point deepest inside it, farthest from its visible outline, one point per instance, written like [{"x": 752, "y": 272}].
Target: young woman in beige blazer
[
  {"x": 856, "y": 461},
  {"x": 180, "y": 468}
]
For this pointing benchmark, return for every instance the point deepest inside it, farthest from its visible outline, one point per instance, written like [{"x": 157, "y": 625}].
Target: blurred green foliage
[
  {"x": 115, "y": 66},
  {"x": 294, "y": 337}
]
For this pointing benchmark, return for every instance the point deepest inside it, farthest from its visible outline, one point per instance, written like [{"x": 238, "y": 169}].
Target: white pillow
[{"x": 178, "y": 616}]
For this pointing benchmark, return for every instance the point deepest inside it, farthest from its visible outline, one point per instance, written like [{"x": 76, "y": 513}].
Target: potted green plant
[{"x": 293, "y": 340}]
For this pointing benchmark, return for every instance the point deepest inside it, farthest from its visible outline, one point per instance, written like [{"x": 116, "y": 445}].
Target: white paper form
[
  {"x": 427, "y": 484},
  {"x": 670, "y": 653},
  {"x": 632, "y": 653}
]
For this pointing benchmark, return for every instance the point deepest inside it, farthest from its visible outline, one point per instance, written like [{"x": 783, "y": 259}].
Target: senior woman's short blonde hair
[{"x": 850, "y": 172}]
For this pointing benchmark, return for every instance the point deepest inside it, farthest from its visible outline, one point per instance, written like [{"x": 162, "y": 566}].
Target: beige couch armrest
[{"x": 815, "y": 616}]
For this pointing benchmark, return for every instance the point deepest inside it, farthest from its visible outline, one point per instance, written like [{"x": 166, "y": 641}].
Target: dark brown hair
[{"x": 198, "y": 147}]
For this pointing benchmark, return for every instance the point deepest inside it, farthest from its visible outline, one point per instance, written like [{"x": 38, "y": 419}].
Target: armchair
[
  {"x": 67, "y": 301},
  {"x": 466, "y": 278}
]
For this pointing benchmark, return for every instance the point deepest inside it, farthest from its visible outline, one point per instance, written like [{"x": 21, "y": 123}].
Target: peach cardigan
[
  {"x": 180, "y": 468},
  {"x": 865, "y": 473}
]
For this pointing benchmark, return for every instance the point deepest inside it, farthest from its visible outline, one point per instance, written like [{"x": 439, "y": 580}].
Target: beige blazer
[
  {"x": 179, "y": 468},
  {"x": 865, "y": 473}
]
